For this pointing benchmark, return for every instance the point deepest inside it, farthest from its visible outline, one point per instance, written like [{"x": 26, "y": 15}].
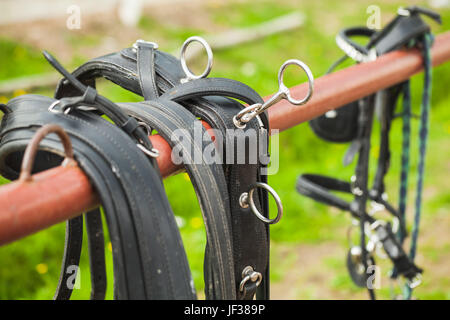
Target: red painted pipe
[
  {"x": 51, "y": 197},
  {"x": 61, "y": 193}
]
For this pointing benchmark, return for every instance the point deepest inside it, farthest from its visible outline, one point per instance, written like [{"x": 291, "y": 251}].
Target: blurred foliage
[{"x": 30, "y": 267}]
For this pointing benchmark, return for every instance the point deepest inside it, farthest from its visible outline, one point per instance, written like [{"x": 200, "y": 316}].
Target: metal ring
[
  {"x": 249, "y": 274},
  {"x": 286, "y": 89},
  {"x": 275, "y": 196},
  {"x": 245, "y": 115},
  {"x": 154, "y": 153},
  {"x": 189, "y": 74},
  {"x": 33, "y": 145},
  {"x": 146, "y": 127},
  {"x": 243, "y": 200}
]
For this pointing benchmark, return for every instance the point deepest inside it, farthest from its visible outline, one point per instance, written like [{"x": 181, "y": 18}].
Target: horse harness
[{"x": 117, "y": 155}]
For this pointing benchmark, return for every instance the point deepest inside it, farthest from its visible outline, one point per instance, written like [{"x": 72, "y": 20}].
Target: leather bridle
[{"x": 407, "y": 29}]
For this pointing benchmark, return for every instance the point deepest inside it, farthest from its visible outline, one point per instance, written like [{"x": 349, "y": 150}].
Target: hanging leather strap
[
  {"x": 169, "y": 118},
  {"x": 250, "y": 235},
  {"x": 148, "y": 254}
]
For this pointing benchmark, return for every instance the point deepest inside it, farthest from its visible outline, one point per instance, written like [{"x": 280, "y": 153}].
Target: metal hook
[
  {"x": 187, "y": 71},
  {"x": 33, "y": 146},
  {"x": 248, "y": 113},
  {"x": 146, "y": 127}
]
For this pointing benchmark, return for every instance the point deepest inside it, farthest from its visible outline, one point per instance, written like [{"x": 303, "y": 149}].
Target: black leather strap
[
  {"x": 104, "y": 105},
  {"x": 121, "y": 68},
  {"x": 401, "y": 30},
  {"x": 148, "y": 255},
  {"x": 146, "y": 69},
  {"x": 222, "y": 87},
  {"x": 347, "y": 34},
  {"x": 209, "y": 183},
  {"x": 71, "y": 257},
  {"x": 318, "y": 187},
  {"x": 397, "y": 255},
  {"x": 72, "y": 254},
  {"x": 407, "y": 29},
  {"x": 250, "y": 235},
  {"x": 96, "y": 246}
]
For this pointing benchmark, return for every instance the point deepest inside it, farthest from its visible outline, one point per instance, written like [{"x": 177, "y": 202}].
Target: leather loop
[
  {"x": 146, "y": 69},
  {"x": 130, "y": 125},
  {"x": 148, "y": 255},
  {"x": 89, "y": 95}
]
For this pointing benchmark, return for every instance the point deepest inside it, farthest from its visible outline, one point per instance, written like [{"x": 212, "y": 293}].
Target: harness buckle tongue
[{"x": 85, "y": 102}]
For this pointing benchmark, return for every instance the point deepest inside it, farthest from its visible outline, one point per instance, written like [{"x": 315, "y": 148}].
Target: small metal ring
[
  {"x": 146, "y": 127},
  {"x": 189, "y": 74},
  {"x": 33, "y": 145},
  {"x": 251, "y": 202},
  {"x": 248, "y": 274},
  {"x": 243, "y": 200},
  {"x": 286, "y": 90},
  {"x": 240, "y": 120}
]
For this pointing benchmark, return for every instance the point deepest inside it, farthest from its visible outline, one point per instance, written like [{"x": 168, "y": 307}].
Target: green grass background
[{"x": 29, "y": 268}]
